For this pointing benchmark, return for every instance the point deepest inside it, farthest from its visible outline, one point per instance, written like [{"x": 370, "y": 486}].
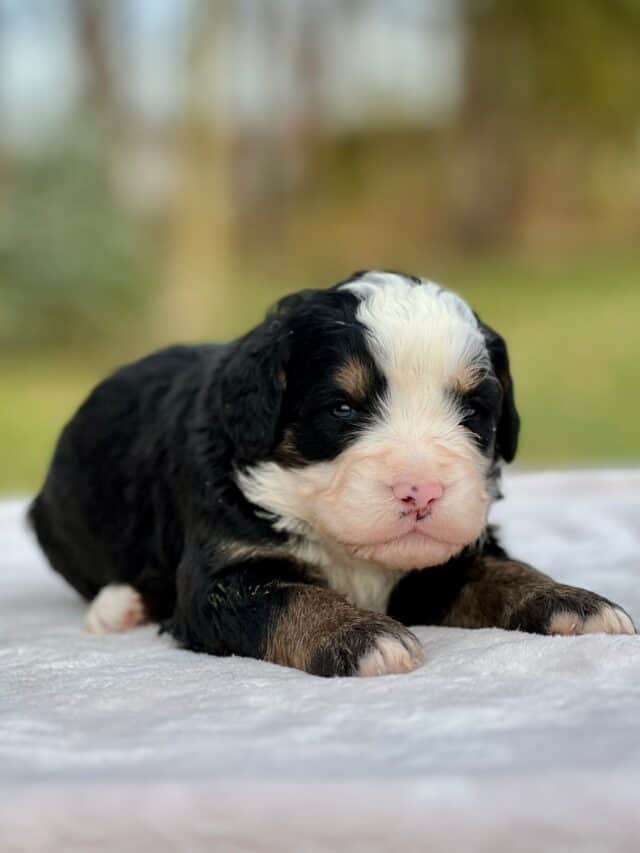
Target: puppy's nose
[{"x": 418, "y": 495}]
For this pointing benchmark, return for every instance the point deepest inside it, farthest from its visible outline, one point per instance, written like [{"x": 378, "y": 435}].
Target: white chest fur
[{"x": 364, "y": 584}]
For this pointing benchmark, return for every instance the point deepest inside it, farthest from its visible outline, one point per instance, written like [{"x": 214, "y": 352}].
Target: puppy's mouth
[
  {"x": 418, "y": 514},
  {"x": 414, "y": 535}
]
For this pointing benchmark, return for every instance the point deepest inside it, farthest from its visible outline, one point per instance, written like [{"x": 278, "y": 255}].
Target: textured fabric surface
[{"x": 501, "y": 742}]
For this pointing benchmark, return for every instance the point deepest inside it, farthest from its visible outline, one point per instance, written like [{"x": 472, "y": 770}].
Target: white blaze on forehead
[{"x": 418, "y": 329}]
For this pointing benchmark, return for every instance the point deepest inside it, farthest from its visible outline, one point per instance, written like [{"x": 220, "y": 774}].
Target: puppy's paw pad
[
  {"x": 117, "y": 607},
  {"x": 391, "y": 655},
  {"x": 608, "y": 620}
]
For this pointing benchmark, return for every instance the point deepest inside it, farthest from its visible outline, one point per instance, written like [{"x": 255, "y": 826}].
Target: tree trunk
[
  {"x": 92, "y": 33},
  {"x": 484, "y": 150},
  {"x": 199, "y": 286}
]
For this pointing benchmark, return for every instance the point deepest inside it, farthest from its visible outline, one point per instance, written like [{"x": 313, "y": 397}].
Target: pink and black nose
[{"x": 417, "y": 496}]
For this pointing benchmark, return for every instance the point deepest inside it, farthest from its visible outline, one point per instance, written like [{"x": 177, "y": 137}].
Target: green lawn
[{"x": 573, "y": 333}]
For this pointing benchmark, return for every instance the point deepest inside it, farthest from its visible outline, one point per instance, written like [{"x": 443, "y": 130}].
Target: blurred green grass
[{"x": 571, "y": 325}]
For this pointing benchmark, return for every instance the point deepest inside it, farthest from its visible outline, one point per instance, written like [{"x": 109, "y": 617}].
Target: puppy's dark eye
[
  {"x": 476, "y": 408},
  {"x": 343, "y": 411}
]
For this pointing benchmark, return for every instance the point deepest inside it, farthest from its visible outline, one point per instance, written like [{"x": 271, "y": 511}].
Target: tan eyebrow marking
[
  {"x": 286, "y": 453},
  {"x": 467, "y": 378},
  {"x": 354, "y": 378}
]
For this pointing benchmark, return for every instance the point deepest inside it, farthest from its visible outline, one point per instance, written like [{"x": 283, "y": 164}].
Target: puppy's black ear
[
  {"x": 509, "y": 423},
  {"x": 253, "y": 383}
]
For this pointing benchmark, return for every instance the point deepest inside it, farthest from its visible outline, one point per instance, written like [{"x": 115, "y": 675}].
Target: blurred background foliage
[{"x": 168, "y": 169}]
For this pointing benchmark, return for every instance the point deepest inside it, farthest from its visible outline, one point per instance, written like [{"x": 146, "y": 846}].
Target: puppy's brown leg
[
  {"x": 320, "y": 632},
  {"x": 508, "y": 594},
  {"x": 262, "y": 610}
]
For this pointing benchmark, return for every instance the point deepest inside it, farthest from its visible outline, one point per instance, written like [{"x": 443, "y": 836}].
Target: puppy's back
[{"x": 107, "y": 491}]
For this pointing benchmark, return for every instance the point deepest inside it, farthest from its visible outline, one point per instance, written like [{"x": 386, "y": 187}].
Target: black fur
[
  {"x": 141, "y": 489},
  {"x": 508, "y": 427}
]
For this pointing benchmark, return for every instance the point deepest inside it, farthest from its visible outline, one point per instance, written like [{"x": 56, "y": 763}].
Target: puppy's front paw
[
  {"x": 378, "y": 647},
  {"x": 392, "y": 655},
  {"x": 608, "y": 620},
  {"x": 569, "y": 610}
]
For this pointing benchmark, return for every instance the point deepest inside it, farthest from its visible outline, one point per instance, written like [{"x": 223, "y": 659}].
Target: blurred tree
[
  {"x": 575, "y": 62},
  {"x": 71, "y": 259},
  {"x": 71, "y": 256},
  {"x": 199, "y": 275},
  {"x": 273, "y": 162},
  {"x": 534, "y": 70},
  {"x": 92, "y": 27}
]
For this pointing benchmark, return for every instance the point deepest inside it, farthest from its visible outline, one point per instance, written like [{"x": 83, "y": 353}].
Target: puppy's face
[{"x": 393, "y": 407}]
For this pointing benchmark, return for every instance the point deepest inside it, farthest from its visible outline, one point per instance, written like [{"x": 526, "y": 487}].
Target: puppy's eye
[
  {"x": 476, "y": 408},
  {"x": 470, "y": 411},
  {"x": 343, "y": 411}
]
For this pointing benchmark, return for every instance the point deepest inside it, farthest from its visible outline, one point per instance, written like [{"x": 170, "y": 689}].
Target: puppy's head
[{"x": 374, "y": 416}]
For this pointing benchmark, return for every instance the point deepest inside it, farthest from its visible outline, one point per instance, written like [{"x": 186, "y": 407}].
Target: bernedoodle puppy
[{"x": 303, "y": 493}]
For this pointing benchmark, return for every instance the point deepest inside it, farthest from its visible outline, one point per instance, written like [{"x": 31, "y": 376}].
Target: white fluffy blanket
[{"x": 501, "y": 742}]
